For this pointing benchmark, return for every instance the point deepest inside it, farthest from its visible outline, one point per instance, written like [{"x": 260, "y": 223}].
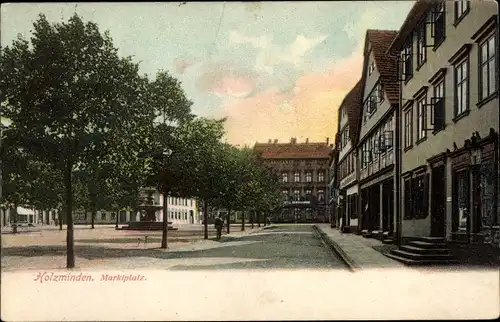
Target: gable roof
[
  {"x": 385, "y": 61},
  {"x": 412, "y": 19},
  {"x": 353, "y": 105},
  {"x": 293, "y": 150}
]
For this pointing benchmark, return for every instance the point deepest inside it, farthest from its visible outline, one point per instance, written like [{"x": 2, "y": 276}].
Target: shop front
[{"x": 475, "y": 191}]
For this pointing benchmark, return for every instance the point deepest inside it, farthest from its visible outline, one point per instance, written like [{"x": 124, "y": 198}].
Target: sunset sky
[{"x": 275, "y": 69}]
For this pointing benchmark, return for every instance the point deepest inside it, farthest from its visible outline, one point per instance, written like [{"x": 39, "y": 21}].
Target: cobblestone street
[{"x": 107, "y": 248}]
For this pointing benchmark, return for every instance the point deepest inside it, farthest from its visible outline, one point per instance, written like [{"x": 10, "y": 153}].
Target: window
[
  {"x": 461, "y": 200},
  {"x": 371, "y": 67},
  {"x": 421, "y": 119},
  {"x": 296, "y": 177},
  {"x": 487, "y": 80},
  {"x": 284, "y": 177},
  {"x": 103, "y": 216},
  {"x": 285, "y": 195},
  {"x": 380, "y": 93},
  {"x": 321, "y": 176},
  {"x": 308, "y": 177},
  {"x": 375, "y": 145},
  {"x": 407, "y": 60},
  {"x": 308, "y": 192},
  {"x": 439, "y": 23},
  {"x": 462, "y": 87},
  {"x": 421, "y": 44},
  {"x": 437, "y": 112},
  {"x": 420, "y": 195},
  {"x": 321, "y": 195},
  {"x": 344, "y": 136},
  {"x": 408, "y": 127},
  {"x": 296, "y": 194},
  {"x": 461, "y": 9},
  {"x": 113, "y": 216}
]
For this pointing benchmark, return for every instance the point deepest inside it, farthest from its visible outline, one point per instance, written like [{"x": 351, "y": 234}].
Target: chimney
[
  {"x": 293, "y": 140},
  {"x": 269, "y": 142},
  {"x": 327, "y": 141},
  {"x": 275, "y": 141},
  {"x": 307, "y": 140}
]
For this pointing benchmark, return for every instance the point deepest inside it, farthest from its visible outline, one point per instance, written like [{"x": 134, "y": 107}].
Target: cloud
[
  {"x": 310, "y": 110},
  {"x": 257, "y": 42},
  {"x": 225, "y": 78},
  {"x": 269, "y": 54},
  {"x": 183, "y": 63}
]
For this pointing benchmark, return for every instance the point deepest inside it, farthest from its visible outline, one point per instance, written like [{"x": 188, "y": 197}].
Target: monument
[{"x": 148, "y": 209}]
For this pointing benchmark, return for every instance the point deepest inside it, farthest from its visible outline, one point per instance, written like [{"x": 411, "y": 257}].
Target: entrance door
[
  {"x": 438, "y": 201},
  {"x": 375, "y": 207},
  {"x": 388, "y": 205}
]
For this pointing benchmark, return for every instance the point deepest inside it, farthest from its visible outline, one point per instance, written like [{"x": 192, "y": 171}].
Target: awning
[{"x": 24, "y": 211}]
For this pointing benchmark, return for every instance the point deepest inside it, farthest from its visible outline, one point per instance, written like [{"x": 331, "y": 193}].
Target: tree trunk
[
  {"x": 116, "y": 223},
  {"x": 243, "y": 220},
  {"x": 205, "y": 219},
  {"x": 252, "y": 219},
  {"x": 228, "y": 229},
  {"x": 70, "y": 259},
  {"x": 92, "y": 220},
  {"x": 14, "y": 217},
  {"x": 48, "y": 217},
  {"x": 258, "y": 219},
  {"x": 164, "y": 234},
  {"x": 60, "y": 216}
]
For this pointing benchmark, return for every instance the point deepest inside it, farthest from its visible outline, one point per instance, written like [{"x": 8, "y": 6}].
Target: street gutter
[{"x": 348, "y": 261}]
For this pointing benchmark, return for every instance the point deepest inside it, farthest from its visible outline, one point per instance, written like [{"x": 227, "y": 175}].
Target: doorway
[
  {"x": 375, "y": 207},
  {"x": 388, "y": 205},
  {"x": 438, "y": 201}
]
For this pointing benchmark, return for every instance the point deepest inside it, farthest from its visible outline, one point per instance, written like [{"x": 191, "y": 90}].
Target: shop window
[{"x": 461, "y": 200}]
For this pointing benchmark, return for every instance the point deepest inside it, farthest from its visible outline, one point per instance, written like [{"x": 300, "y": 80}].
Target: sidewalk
[{"x": 356, "y": 250}]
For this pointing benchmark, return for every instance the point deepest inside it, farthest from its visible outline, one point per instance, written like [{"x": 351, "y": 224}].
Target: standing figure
[{"x": 218, "y": 225}]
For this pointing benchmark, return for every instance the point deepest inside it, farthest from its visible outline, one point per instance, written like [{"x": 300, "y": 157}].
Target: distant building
[
  {"x": 303, "y": 172},
  {"x": 347, "y": 168}
]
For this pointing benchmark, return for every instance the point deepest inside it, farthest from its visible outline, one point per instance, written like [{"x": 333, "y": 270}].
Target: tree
[
  {"x": 67, "y": 92},
  {"x": 199, "y": 156},
  {"x": 16, "y": 172}
]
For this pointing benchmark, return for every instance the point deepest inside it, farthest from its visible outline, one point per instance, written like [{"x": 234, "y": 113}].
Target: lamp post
[{"x": 167, "y": 153}]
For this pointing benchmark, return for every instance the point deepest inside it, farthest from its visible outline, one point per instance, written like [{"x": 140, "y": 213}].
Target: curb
[{"x": 350, "y": 263}]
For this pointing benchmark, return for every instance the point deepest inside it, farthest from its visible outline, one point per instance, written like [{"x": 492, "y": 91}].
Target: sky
[{"x": 276, "y": 70}]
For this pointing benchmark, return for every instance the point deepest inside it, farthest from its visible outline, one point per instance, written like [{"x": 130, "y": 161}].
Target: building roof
[
  {"x": 385, "y": 60},
  {"x": 311, "y": 150},
  {"x": 412, "y": 19},
  {"x": 353, "y": 103}
]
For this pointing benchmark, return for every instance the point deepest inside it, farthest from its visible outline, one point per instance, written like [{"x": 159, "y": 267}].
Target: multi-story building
[
  {"x": 347, "y": 169},
  {"x": 375, "y": 146},
  {"x": 334, "y": 213},
  {"x": 303, "y": 169},
  {"x": 450, "y": 121},
  {"x": 180, "y": 211}
]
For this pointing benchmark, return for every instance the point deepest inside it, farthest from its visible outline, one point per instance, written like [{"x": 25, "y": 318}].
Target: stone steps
[
  {"x": 424, "y": 251},
  {"x": 421, "y": 262}
]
